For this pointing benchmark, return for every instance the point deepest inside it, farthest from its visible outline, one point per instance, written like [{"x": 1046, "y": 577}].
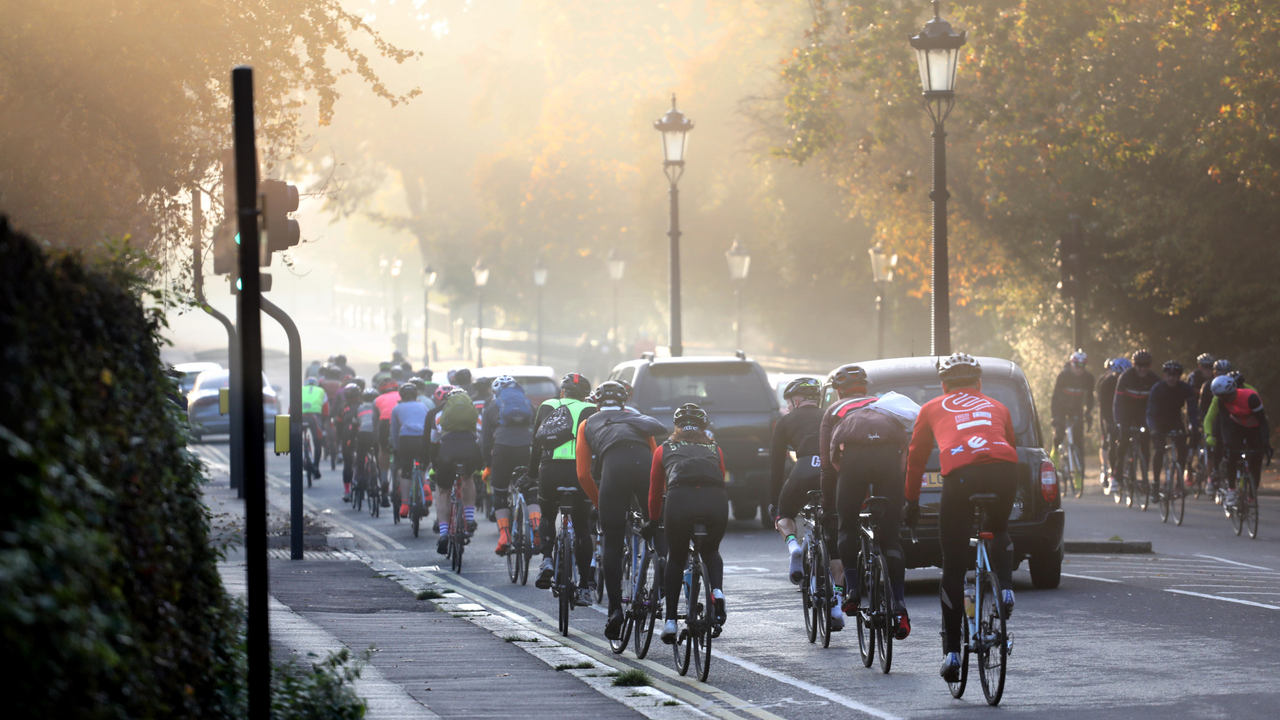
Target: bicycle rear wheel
[
  {"x": 866, "y": 629},
  {"x": 1166, "y": 487},
  {"x": 1236, "y": 512},
  {"x": 1077, "y": 472},
  {"x": 822, "y": 590},
  {"x": 701, "y": 627},
  {"x": 564, "y": 580},
  {"x": 683, "y": 648},
  {"x": 993, "y": 651},
  {"x": 647, "y": 613},
  {"x": 808, "y": 602},
  {"x": 628, "y": 588},
  {"x": 515, "y": 552},
  {"x": 458, "y": 533},
  {"x": 1251, "y": 507},
  {"x": 882, "y": 607},
  {"x": 1178, "y": 504}
]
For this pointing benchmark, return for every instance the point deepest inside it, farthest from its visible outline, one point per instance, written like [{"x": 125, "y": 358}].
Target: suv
[
  {"x": 1035, "y": 525},
  {"x": 737, "y": 396}
]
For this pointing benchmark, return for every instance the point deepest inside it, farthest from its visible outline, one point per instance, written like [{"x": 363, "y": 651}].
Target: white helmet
[
  {"x": 960, "y": 366},
  {"x": 503, "y": 381},
  {"x": 1223, "y": 385}
]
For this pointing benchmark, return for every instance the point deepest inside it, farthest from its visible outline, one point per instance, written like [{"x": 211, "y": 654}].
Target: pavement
[{"x": 1187, "y": 630}]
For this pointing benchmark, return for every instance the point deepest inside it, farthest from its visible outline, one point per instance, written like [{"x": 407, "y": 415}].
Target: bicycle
[
  {"x": 307, "y": 462},
  {"x": 1173, "y": 497},
  {"x": 1129, "y": 485},
  {"x": 523, "y": 540},
  {"x": 984, "y": 633},
  {"x": 877, "y": 622},
  {"x": 700, "y": 624},
  {"x": 564, "y": 586},
  {"x": 642, "y": 576},
  {"x": 458, "y": 539},
  {"x": 815, "y": 586},
  {"x": 1198, "y": 466},
  {"x": 1106, "y": 474},
  {"x": 1244, "y": 512},
  {"x": 357, "y": 487},
  {"x": 1072, "y": 471},
  {"x": 633, "y": 551},
  {"x": 418, "y": 507},
  {"x": 331, "y": 444},
  {"x": 372, "y": 486},
  {"x": 597, "y": 555}
]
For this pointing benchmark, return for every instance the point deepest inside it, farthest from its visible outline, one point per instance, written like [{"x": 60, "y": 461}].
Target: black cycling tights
[
  {"x": 557, "y": 474},
  {"x": 502, "y": 471},
  {"x": 956, "y": 522},
  {"x": 624, "y": 475},
  {"x": 879, "y": 468},
  {"x": 685, "y": 506}
]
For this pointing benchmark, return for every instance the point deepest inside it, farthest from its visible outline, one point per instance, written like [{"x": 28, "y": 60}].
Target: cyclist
[
  {"x": 388, "y": 396},
  {"x": 1133, "y": 389},
  {"x": 313, "y": 370},
  {"x": 345, "y": 373},
  {"x": 461, "y": 378},
  {"x": 557, "y": 467},
  {"x": 507, "y": 428},
  {"x": 383, "y": 374},
  {"x": 456, "y": 422},
  {"x": 975, "y": 435},
  {"x": 861, "y": 447},
  {"x": 1235, "y": 422},
  {"x": 315, "y": 409},
  {"x": 367, "y": 435},
  {"x": 1072, "y": 400},
  {"x": 687, "y": 478},
  {"x": 1106, "y": 392},
  {"x": 1221, "y": 366},
  {"x": 348, "y": 425},
  {"x": 426, "y": 374},
  {"x": 1202, "y": 374},
  {"x": 408, "y": 437},
  {"x": 615, "y": 446},
  {"x": 1164, "y": 414},
  {"x": 798, "y": 431}
]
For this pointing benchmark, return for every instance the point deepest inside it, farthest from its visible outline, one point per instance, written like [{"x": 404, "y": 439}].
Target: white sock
[
  {"x": 444, "y": 528},
  {"x": 793, "y": 545},
  {"x": 717, "y": 594}
]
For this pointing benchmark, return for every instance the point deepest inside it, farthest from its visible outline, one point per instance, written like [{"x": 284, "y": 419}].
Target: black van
[{"x": 743, "y": 407}]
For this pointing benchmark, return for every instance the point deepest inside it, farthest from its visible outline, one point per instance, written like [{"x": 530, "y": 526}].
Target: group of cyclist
[{"x": 1213, "y": 406}]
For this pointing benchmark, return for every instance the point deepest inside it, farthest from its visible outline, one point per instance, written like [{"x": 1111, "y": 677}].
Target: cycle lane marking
[
  {"x": 1223, "y": 599},
  {"x": 1233, "y": 562}
]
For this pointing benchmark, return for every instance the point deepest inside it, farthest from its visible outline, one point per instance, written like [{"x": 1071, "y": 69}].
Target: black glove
[
  {"x": 830, "y": 522},
  {"x": 648, "y": 530},
  {"x": 911, "y": 515}
]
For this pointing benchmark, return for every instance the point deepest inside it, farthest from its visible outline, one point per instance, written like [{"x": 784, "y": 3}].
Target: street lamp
[
  {"x": 675, "y": 128},
  {"x": 938, "y": 53},
  {"x": 481, "y": 273},
  {"x": 617, "y": 266},
  {"x": 383, "y": 264},
  {"x": 428, "y": 280},
  {"x": 539, "y": 280},
  {"x": 739, "y": 264},
  {"x": 882, "y": 266}
]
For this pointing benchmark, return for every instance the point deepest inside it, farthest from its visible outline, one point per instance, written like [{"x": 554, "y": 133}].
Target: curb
[
  {"x": 337, "y": 540},
  {"x": 1108, "y": 547}
]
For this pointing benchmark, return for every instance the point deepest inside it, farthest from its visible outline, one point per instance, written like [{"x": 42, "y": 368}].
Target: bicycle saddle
[
  {"x": 699, "y": 529},
  {"x": 874, "y": 507},
  {"x": 984, "y": 499},
  {"x": 815, "y": 496}
]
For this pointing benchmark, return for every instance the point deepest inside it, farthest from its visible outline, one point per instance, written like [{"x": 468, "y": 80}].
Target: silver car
[{"x": 202, "y": 405}]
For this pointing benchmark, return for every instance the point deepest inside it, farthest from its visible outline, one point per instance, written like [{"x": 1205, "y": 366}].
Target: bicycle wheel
[
  {"x": 628, "y": 587},
  {"x": 306, "y": 453},
  {"x": 1178, "y": 503},
  {"x": 683, "y": 648},
  {"x": 882, "y": 594},
  {"x": 1064, "y": 471},
  {"x": 957, "y": 688},
  {"x": 458, "y": 530},
  {"x": 597, "y": 560},
  {"x": 516, "y": 550},
  {"x": 1166, "y": 487},
  {"x": 415, "y": 501},
  {"x": 807, "y": 601},
  {"x": 822, "y": 591},
  {"x": 646, "y": 614},
  {"x": 1077, "y": 471},
  {"x": 1251, "y": 507},
  {"x": 564, "y": 579},
  {"x": 528, "y": 541},
  {"x": 357, "y": 492},
  {"x": 702, "y": 628},
  {"x": 866, "y": 630},
  {"x": 993, "y": 651},
  {"x": 1236, "y": 511}
]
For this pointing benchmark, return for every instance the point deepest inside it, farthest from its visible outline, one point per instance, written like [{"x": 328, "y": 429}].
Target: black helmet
[
  {"x": 960, "y": 366},
  {"x": 804, "y": 387},
  {"x": 848, "y": 376},
  {"x": 1222, "y": 366},
  {"x": 351, "y": 392},
  {"x": 575, "y": 385},
  {"x": 406, "y": 366},
  {"x": 331, "y": 373},
  {"x": 1142, "y": 358},
  {"x": 611, "y": 394},
  {"x": 397, "y": 356},
  {"x": 418, "y": 383},
  {"x": 1238, "y": 377},
  {"x": 397, "y": 374},
  {"x": 426, "y": 373},
  {"x": 1204, "y": 359},
  {"x": 460, "y": 376},
  {"x": 369, "y": 395},
  {"x": 340, "y": 360},
  {"x": 360, "y": 382},
  {"x": 408, "y": 391},
  {"x": 1172, "y": 366},
  {"x": 691, "y": 416}
]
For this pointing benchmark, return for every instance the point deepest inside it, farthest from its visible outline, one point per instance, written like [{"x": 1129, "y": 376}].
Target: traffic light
[
  {"x": 264, "y": 281},
  {"x": 278, "y": 200}
]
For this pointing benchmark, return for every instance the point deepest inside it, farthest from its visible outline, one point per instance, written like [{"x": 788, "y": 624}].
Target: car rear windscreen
[
  {"x": 539, "y": 386},
  {"x": 1009, "y": 394},
  {"x": 717, "y": 387}
]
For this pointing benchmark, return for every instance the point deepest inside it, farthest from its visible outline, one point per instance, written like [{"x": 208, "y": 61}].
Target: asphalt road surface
[{"x": 1188, "y": 631}]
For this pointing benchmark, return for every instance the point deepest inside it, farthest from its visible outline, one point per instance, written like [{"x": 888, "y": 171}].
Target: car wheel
[
  {"x": 1046, "y": 570},
  {"x": 744, "y": 509}
]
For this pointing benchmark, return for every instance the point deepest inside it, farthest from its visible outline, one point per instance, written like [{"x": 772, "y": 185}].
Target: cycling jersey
[
  {"x": 608, "y": 428},
  {"x": 683, "y": 464},
  {"x": 1072, "y": 394},
  {"x": 386, "y": 402},
  {"x": 314, "y": 401},
  {"x": 1106, "y": 392},
  {"x": 852, "y": 421},
  {"x": 969, "y": 429},
  {"x": 408, "y": 419},
  {"x": 1216, "y": 408},
  {"x": 1164, "y": 407},
  {"x": 368, "y": 416},
  {"x": 1199, "y": 377},
  {"x": 495, "y": 433},
  {"x": 538, "y": 456},
  {"x": 798, "y": 431},
  {"x": 1132, "y": 392}
]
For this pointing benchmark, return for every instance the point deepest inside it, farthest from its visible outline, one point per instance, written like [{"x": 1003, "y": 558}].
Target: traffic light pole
[
  {"x": 295, "y": 426},
  {"x": 249, "y": 310}
]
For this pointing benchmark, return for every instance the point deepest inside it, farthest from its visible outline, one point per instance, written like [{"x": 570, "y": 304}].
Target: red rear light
[{"x": 1048, "y": 481}]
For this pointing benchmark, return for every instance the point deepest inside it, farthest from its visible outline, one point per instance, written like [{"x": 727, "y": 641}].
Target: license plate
[{"x": 932, "y": 480}]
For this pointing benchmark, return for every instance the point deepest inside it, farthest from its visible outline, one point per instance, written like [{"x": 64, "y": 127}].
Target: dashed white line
[
  {"x": 1223, "y": 599},
  {"x": 1089, "y": 577}
]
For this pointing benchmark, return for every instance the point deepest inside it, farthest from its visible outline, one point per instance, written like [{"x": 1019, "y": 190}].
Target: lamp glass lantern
[
  {"x": 616, "y": 265},
  {"x": 938, "y": 56},
  {"x": 539, "y": 273},
  {"x": 739, "y": 261},
  {"x": 481, "y": 273},
  {"x": 428, "y": 276},
  {"x": 395, "y": 267},
  {"x": 882, "y": 264},
  {"x": 675, "y": 128}
]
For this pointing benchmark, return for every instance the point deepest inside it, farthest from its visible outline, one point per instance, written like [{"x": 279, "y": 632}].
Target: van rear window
[
  {"x": 719, "y": 387},
  {"x": 1001, "y": 390}
]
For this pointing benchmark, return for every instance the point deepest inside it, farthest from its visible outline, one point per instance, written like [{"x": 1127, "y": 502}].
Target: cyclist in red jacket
[{"x": 977, "y": 450}]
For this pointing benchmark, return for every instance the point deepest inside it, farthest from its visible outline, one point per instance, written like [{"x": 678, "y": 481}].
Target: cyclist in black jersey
[{"x": 798, "y": 431}]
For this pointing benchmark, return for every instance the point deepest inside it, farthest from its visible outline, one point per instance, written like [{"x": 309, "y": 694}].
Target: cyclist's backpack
[
  {"x": 514, "y": 407},
  {"x": 459, "y": 414},
  {"x": 557, "y": 429}
]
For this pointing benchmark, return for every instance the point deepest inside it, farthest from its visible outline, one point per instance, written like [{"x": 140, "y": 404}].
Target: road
[{"x": 1189, "y": 631}]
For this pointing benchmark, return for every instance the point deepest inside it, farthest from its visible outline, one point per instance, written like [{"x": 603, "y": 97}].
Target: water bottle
[
  {"x": 688, "y": 580},
  {"x": 970, "y": 592}
]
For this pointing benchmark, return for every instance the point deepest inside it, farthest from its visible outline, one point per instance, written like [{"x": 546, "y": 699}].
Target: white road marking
[
  {"x": 1233, "y": 562},
  {"x": 1087, "y": 577},
  {"x": 1223, "y": 599}
]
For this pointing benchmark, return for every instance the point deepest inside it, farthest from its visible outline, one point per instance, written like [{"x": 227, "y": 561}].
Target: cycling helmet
[
  {"x": 627, "y": 385},
  {"x": 1223, "y": 385},
  {"x": 1142, "y": 358},
  {"x": 388, "y": 386},
  {"x": 332, "y": 373},
  {"x": 397, "y": 357},
  {"x": 1222, "y": 366},
  {"x": 575, "y": 385},
  {"x": 369, "y": 395},
  {"x": 1172, "y": 366},
  {"x": 960, "y": 366},
  {"x": 460, "y": 391},
  {"x": 804, "y": 387},
  {"x": 418, "y": 383},
  {"x": 340, "y": 360},
  {"x": 442, "y": 392},
  {"x": 426, "y": 373},
  {"x": 408, "y": 391},
  {"x": 1120, "y": 364},
  {"x": 1204, "y": 359},
  {"x": 313, "y": 381},
  {"x": 384, "y": 367},
  {"x": 351, "y": 392},
  {"x": 460, "y": 376},
  {"x": 691, "y": 416},
  {"x": 848, "y": 376},
  {"x": 503, "y": 381},
  {"x": 332, "y": 359},
  {"x": 611, "y": 394},
  {"x": 1238, "y": 377},
  {"x": 360, "y": 383},
  {"x": 1079, "y": 358},
  {"x": 407, "y": 367}
]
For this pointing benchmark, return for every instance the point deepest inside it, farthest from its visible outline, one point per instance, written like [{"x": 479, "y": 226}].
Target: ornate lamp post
[
  {"x": 882, "y": 266},
  {"x": 481, "y": 273},
  {"x": 675, "y": 128},
  {"x": 428, "y": 280},
  {"x": 739, "y": 264},
  {"x": 938, "y": 53},
  {"x": 617, "y": 266},
  {"x": 539, "y": 280}
]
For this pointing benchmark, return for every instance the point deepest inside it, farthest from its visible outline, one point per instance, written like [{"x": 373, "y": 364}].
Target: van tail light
[{"x": 1048, "y": 481}]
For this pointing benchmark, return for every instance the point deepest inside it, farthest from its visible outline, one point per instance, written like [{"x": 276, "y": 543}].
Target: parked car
[
  {"x": 738, "y": 397},
  {"x": 1036, "y": 523},
  {"x": 540, "y": 382},
  {"x": 202, "y": 405},
  {"x": 190, "y": 371}
]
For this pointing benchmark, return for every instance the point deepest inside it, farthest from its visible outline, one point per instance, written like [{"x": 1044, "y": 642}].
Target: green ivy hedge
[{"x": 110, "y": 601}]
